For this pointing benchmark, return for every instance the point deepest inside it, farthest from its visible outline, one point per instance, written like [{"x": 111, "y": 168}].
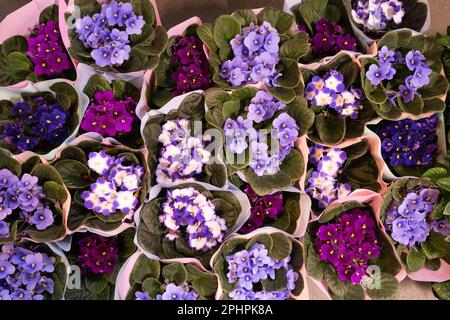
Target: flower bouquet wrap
[
  {"x": 371, "y": 19},
  {"x": 34, "y": 202},
  {"x": 348, "y": 253},
  {"x": 121, "y": 36},
  {"x": 112, "y": 109},
  {"x": 283, "y": 210},
  {"x": 405, "y": 77},
  {"x": 260, "y": 132},
  {"x": 334, "y": 92},
  {"x": 98, "y": 260},
  {"x": 335, "y": 172},
  {"x": 142, "y": 278},
  {"x": 31, "y": 271},
  {"x": 189, "y": 220},
  {"x": 328, "y": 27},
  {"x": 263, "y": 265},
  {"x": 444, "y": 40},
  {"x": 415, "y": 215},
  {"x": 180, "y": 146},
  {"x": 184, "y": 66},
  {"x": 31, "y": 45},
  {"x": 409, "y": 147},
  {"x": 258, "y": 47},
  {"x": 39, "y": 117},
  {"x": 108, "y": 183}
]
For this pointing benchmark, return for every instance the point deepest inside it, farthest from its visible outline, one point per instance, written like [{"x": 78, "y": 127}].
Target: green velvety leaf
[
  {"x": 55, "y": 192},
  {"x": 415, "y": 15},
  {"x": 415, "y": 260},
  {"x": 434, "y": 264},
  {"x": 245, "y": 16},
  {"x": 145, "y": 9},
  {"x": 442, "y": 290},
  {"x": 404, "y": 37},
  {"x": 19, "y": 65},
  {"x": 74, "y": 173},
  {"x": 14, "y": 44},
  {"x": 46, "y": 173},
  {"x": 9, "y": 163},
  {"x": 295, "y": 48},
  {"x": 145, "y": 268},
  {"x": 279, "y": 283},
  {"x": 192, "y": 107},
  {"x": 262, "y": 238},
  {"x": 437, "y": 87},
  {"x": 331, "y": 130},
  {"x": 157, "y": 46},
  {"x": 5, "y": 110},
  {"x": 175, "y": 272},
  {"x": 123, "y": 89},
  {"x": 338, "y": 287},
  {"x": 65, "y": 95},
  {"x": 30, "y": 163},
  {"x": 444, "y": 183},
  {"x": 447, "y": 210},
  {"x": 74, "y": 153},
  {"x": 334, "y": 211},
  {"x": 354, "y": 292},
  {"x": 435, "y": 246},
  {"x": 436, "y": 173},
  {"x": 282, "y": 246},
  {"x": 95, "y": 283},
  {"x": 389, "y": 288},
  {"x": 205, "y": 286},
  {"x": 433, "y": 105},
  {"x": 277, "y": 18},
  {"x": 231, "y": 109},
  {"x": 49, "y": 13},
  {"x": 374, "y": 94},
  {"x": 290, "y": 73},
  {"x": 225, "y": 29},
  {"x": 206, "y": 34},
  {"x": 390, "y": 39},
  {"x": 283, "y": 94},
  {"x": 152, "y": 286},
  {"x": 96, "y": 83}
]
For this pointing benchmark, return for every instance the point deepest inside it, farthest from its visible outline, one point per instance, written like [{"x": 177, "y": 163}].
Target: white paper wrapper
[
  {"x": 304, "y": 295},
  {"x": 441, "y": 153},
  {"x": 360, "y": 34},
  {"x": 123, "y": 277},
  {"x": 13, "y": 94},
  {"x": 243, "y": 215}
]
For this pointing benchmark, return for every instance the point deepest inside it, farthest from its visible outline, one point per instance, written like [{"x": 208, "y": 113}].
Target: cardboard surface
[{"x": 175, "y": 11}]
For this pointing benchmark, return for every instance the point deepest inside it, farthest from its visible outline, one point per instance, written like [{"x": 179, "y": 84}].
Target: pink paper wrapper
[
  {"x": 123, "y": 277},
  {"x": 107, "y": 142},
  {"x": 374, "y": 200},
  {"x": 65, "y": 207},
  {"x": 64, "y": 24},
  {"x": 149, "y": 77},
  {"x": 304, "y": 295},
  {"x": 374, "y": 147}
]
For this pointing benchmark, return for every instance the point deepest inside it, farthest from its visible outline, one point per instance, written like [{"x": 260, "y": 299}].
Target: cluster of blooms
[
  {"x": 323, "y": 185},
  {"x": 109, "y": 117},
  {"x": 25, "y": 195},
  {"x": 266, "y": 207},
  {"x": 98, "y": 254},
  {"x": 389, "y": 61},
  {"x": 116, "y": 186},
  {"x": 24, "y": 274},
  {"x": 46, "y": 50},
  {"x": 410, "y": 222},
  {"x": 377, "y": 14},
  {"x": 328, "y": 38},
  {"x": 172, "y": 292},
  {"x": 409, "y": 143},
  {"x": 263, "y": 106},
  {"x": 191, "y": 70},
  {"x": 107, "y": 32},
  {"x": 349, "y": 244},
  {"x": 37, "y": 122},
  {"x": 255, "y": 57},
  {"x": 248, "y": 267},
  {"x": 189, "y": 209},
  {"x": 329, "y": 91},
  {"x": 182, "y": 156},
  {"x": 240, "y": 135}
]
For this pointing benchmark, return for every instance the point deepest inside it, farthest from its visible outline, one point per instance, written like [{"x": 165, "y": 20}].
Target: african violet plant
[
  {"x": 249, "y": 48},
  {"x": 99, "y": 259},
  {"x": 275, "y": 260},
  {"x": 107, "y": 184},
  {"x": 328, "y": 29},
  {"x": 341, "y": 246},
  {"x": 178, "y": 149},
  {"x": 184, "y": 67},
  {"x": 40, "y": 119},
  {"x": 32, "y": 196},
  {"x": 260, "y": 132},
  {"x": 31, "y": 271},
  {"x": 37, "y": 57},
  {"x": 333, "y": 173},
  {"x": 373, "y": 18},
  {"x": 189, "y": 221},
  {"x": 415, "y": 214},
  {"x": 405, "y": 76},
  {"x": 333, "y": 92},
  {"x": 170, "y": 280},
  {"x": 280, "y": 209},
  {"x": 112, "y": 110},
  {"x": 118, "y": 36},
  {"x": 410, "y": 147}
]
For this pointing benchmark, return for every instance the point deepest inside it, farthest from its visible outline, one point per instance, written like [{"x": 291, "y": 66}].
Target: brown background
[{"x": 175, "y": 11}]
